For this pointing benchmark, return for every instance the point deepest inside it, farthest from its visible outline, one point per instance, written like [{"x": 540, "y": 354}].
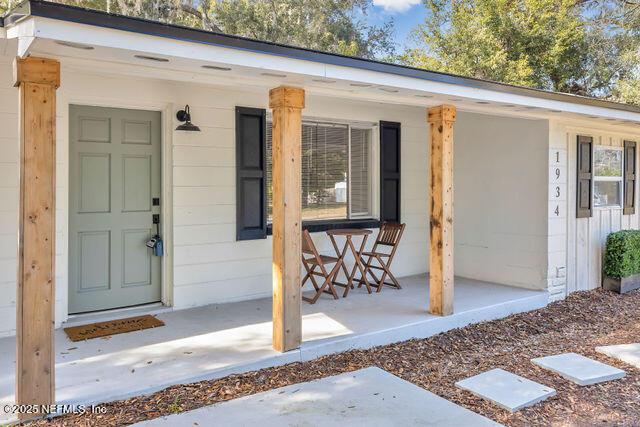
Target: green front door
[{"x": 114, "y": 177}]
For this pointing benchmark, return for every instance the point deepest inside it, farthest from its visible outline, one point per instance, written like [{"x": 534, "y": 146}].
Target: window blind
[
  {"x": 324, "y": 171},
  {"x": 327, "y": 161}
]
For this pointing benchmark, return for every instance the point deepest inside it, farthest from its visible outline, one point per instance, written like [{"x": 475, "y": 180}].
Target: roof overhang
[{"x": 50, "y": 29}]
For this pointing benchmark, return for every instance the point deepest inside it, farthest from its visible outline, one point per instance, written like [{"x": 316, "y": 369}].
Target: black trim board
[
  {"x": 318, "y": 226},
  {"x": 143, "y": 26}
]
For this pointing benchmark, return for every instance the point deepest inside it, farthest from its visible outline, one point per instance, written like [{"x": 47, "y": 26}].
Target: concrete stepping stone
[
  {"x": 508, "y": 391},
  {"x": 628, "y": 353},
  {"x": 579, "y": 369},
  {"x": 368, "y": 397}
]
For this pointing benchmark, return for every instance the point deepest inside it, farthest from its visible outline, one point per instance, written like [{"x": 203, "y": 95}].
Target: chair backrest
[
  {"x": 307, "y": 244},
  {"x": 390, "y": 234}
]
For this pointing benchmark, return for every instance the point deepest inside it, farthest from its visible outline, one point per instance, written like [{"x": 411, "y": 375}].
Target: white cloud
[{"x": 396, "y": 5}]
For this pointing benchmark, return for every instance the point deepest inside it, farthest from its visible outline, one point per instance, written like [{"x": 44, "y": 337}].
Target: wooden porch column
[
  {"x": 441, "y": 119},
  {"x": 37, "y": 80},
  {"x": 287, "y": 104}
]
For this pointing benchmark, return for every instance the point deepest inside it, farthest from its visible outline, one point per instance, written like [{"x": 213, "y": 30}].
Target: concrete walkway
[
  {"x": 369, "y": 397},
  {"x": 628, "y": 353},
  {"x": 218, "y": 340}
]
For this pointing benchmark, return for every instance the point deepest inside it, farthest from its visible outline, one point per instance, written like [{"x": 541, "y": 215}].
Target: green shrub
[{"x": 622, "y": 254}]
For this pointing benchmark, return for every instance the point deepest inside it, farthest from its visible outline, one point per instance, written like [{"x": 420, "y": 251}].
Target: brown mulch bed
[{"x": 577, "y": 324}]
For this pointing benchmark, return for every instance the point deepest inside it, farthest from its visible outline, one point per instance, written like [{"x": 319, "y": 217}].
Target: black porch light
[{"x": 185, "y": 116}]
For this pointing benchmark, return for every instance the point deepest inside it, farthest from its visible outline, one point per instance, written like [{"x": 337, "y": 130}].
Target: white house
[{"x": 538, "y": 179}]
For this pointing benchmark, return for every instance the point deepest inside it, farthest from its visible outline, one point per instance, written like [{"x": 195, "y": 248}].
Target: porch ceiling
[{"x": 80, "y": 46}]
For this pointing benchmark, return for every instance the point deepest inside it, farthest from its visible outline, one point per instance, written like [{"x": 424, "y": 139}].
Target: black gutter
[{"x": 143, "y": 26}]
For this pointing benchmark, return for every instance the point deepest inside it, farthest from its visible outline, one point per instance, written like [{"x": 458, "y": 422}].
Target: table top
[{"x": 349, "y": 232}]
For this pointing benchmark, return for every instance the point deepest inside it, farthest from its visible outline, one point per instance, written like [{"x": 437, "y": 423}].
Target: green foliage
[
  {"x": 328, "y": 25},
  {"x": 537, "y": 43},
  {"x": 4, "y": 6},
  {"x": 581, "y": 47},
  {"x": 337, "y": 26},
  {"x": 622, "y": 254}
]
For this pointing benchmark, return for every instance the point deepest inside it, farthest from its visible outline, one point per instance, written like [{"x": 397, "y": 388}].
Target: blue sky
[{"x": 405, "y": 13}]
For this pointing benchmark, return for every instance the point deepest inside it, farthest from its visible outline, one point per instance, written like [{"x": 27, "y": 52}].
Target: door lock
[{"x": 155, "y": 243}]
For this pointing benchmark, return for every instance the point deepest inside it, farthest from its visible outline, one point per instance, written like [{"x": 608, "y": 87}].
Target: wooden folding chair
[
  {"x": 389, "y": 238},
  {"x": 312, "y": 260}
]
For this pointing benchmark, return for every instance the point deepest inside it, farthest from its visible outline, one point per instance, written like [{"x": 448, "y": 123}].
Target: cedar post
[
  {"x": 37, "y": 80},
  {"x": 287, "y": 104},
  {"x": 441, "y": 119}
]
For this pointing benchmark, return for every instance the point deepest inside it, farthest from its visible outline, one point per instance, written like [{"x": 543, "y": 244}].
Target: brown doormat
[{"x": 112, "y": 327}]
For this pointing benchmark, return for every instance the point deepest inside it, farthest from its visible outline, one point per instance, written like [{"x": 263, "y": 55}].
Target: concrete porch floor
[{"x": 218, "y": 340}]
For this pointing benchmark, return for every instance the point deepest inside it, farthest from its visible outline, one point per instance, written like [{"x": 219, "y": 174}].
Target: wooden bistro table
[{"x": 348, "y": 234}]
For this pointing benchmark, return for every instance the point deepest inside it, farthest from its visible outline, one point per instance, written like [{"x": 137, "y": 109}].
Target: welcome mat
[{"x": 112, "y": 327}]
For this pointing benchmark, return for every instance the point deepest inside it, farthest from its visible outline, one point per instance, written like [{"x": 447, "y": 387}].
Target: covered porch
[
  {"x": 217, "y": 245},
  {"x": 217, "y": 340}
]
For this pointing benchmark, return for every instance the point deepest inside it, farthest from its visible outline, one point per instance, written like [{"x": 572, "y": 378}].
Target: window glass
[
  {"x": 324, "y": 171},
  {"x": 336, "y": 181},
  {"x": 607, "y": 180},
  {"x": 606, "y": 193},
  {"x": 607, "y": 162}
]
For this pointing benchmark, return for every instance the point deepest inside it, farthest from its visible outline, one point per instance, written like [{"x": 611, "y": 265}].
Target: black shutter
[
  {"x": 629, "y": 178},
  {"x": 390, "y": 171},
  {"x": 251, "y": 206},
  {"x": 585, "y": 176}
]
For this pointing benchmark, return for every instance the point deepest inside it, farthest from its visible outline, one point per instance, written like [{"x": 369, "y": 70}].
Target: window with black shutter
[
  {"x": 629, "y": 177},
  {"x": 390, "y": 171},
  {"x": 251, "y": 207},
  {"x": 336, "y": 172},
  {"x": 584, "y": 176}
]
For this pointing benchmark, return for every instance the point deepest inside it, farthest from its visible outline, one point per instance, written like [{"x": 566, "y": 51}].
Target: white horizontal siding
[
  {"x": 209, "y": 265},
  {"x": 9, "y": 181},
  {"x": 500, "y": 193}
]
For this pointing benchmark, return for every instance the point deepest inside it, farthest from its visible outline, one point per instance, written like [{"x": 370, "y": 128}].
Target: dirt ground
[{"x": 578, "y": 324}]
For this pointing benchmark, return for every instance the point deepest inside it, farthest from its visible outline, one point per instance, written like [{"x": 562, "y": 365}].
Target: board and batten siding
[{"x": 586, "y": 237}]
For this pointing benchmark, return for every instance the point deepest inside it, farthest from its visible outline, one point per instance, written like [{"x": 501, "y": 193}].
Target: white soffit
[{"x": 259, "y": 69}]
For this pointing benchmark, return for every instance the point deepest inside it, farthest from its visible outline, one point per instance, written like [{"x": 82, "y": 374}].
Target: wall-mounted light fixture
[{"x": 185, "y": 116}]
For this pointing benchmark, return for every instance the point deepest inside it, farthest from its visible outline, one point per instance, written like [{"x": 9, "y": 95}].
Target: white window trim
[{"x": 619, "y": 179}]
